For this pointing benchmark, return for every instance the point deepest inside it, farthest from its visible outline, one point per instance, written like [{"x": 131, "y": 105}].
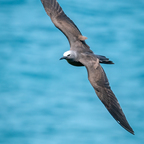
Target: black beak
[{"x": 64, "y": 57}]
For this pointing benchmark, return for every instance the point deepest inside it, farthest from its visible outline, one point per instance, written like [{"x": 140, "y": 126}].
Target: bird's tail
[{"x": 104, "y": 60}]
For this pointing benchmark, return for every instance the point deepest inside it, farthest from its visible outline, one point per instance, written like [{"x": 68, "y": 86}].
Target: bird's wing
[
  {"x": 64, "y": 23},
  {"x": 99, "y": 81}
]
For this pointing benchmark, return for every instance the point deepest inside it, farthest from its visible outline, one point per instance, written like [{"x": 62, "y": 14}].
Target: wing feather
[
  {"x": 63, "y": 23},
  {"x": 99, "y": 81}
]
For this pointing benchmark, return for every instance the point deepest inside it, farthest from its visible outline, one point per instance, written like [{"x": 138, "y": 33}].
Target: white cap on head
[{"x": 67, "y": 53}]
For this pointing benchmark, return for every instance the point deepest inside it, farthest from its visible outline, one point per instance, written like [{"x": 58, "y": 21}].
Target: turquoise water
[{"x": 47, "y": 101}]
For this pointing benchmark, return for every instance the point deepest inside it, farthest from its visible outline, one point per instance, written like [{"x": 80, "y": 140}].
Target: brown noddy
[{"x": 81, "y": 55}]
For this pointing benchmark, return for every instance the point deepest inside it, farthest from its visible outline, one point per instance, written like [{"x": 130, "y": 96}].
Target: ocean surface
[{"x": 47, "y": 101}]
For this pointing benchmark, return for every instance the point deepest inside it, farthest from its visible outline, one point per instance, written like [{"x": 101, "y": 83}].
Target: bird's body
[
  {"x": 81, "y": 55},
  {"x": 75, "y": 61}
]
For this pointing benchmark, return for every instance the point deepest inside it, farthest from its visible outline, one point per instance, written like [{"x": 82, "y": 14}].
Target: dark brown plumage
[{"x": 81, "y": 55}]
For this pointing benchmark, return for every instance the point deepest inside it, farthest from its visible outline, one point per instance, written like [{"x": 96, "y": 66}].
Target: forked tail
[{"x": 104, "y": 60}]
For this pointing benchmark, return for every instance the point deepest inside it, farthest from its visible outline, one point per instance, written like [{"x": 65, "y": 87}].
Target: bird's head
[{"x": 69, "y": 55}]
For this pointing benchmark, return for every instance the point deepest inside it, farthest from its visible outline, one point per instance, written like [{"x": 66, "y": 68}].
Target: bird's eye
[{"x": 68, "y": 55}]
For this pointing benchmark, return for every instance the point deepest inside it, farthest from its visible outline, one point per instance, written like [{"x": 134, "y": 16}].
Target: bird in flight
[{"x": 81, "y": 55}]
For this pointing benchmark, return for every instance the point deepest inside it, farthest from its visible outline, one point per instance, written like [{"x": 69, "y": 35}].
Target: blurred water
[{"x": 44, "y": 100}]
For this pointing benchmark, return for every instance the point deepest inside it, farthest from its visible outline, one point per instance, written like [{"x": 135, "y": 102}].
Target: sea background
[{"x": 47, "y": 101}]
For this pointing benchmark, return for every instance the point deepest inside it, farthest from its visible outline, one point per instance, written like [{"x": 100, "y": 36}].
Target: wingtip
[
  {"x": 127, "y": 127},
  {"x": 132, "y": 132}
]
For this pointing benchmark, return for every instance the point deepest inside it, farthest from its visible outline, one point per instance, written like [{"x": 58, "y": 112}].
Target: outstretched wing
[
  {"x": 99, "y": 81},
  {"x": 63, "y": 23}
]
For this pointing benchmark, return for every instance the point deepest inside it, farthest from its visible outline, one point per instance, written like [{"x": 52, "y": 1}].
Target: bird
[{"x": 80, "y": 54}]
